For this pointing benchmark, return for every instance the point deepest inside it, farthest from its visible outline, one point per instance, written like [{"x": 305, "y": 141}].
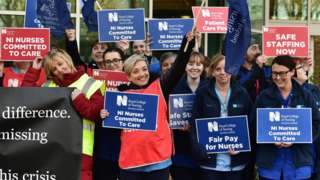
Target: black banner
[{"x": 40, "y": 135}]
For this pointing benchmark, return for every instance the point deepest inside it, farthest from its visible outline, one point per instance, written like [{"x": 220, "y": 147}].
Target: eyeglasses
[
  {"x": 112, "y": 61},
  {"x": 281, "y": 74}
]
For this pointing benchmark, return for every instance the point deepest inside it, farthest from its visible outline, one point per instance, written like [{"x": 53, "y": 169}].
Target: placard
[
  {"x": 180, "y": 110},
  {"x": 211, "y": 19},
  {"x": 290, "y": 125},
  {"x": 167, "y": 34},
  {"x": 121, "y": 24},
  {"x": 131, "y": 111},
  {"x": 24, "y": 44},
  {"x": 293, "y": 41},
  {"x": 219, "y": 135},
  {"x": 40, "y": 134},
  {"x": 113, "y": 79}
]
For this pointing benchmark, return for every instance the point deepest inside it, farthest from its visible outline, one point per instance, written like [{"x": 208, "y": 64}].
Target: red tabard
[
  {"x": 141, "y": 148},
  {"x": 13, "y": 79}
]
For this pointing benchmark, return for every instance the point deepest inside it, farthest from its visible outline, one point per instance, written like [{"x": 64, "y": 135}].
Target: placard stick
[{"x": 99, "y": 6}]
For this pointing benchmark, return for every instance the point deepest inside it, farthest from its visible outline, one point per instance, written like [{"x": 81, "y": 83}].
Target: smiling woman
[
  {"x": 145, "y": 154},
  {"x": 86, "y": 97},
  {"x": 286, "y": 93},
  {"x": 282, "y": 73},
  {"x": 137, "y": 70}
]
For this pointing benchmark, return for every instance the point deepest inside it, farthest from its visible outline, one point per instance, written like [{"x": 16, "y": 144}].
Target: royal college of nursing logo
[
  {"x": 122, "y": 100},
  {"x": 178, "y": 103},
  {"x": 213, "y": 126},
  {"x": 274, "y": 116},
  {"x": 113, "y": 17},
  {"x": 205, "y": 13},
  {"x": 163, "y": 26}
]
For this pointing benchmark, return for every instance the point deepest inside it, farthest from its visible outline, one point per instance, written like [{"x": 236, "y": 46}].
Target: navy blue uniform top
[
  {"x": 302, "y": 153},
  {"x": 182, "y": 145},
  {"x": 207, "y": 105},
  {"x": 254, "y": 80}
]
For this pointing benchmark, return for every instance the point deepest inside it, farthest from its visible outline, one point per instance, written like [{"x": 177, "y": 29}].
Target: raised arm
[
  {"x": 72, "y": 48},
  {"x": 32, "y": 75},
  {"x": 169, "y": 81}
]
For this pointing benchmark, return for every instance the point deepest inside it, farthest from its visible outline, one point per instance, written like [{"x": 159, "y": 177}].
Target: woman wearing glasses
[
  {"x": 285, "y": 161},
  {"x": 107, "y": 140}
]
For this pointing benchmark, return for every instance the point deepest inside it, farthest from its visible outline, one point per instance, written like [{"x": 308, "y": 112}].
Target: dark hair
[
  {"x": 166, "y": 55},
  {"x": 285, "y": 60},
  {"x": 115, "y": 49},
  {"x": 94, "y": 43}
]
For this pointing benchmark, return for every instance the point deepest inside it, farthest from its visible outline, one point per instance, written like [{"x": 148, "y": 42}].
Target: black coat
[
  {"x": 207, "y": 105},
  {"x": 302, "y": 153}
]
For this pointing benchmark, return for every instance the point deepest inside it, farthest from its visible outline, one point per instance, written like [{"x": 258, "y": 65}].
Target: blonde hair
[
  {"x": 52, "y": 56},
  {"x": 131, "y": 62},
  {"x": 214, "y": 63}
]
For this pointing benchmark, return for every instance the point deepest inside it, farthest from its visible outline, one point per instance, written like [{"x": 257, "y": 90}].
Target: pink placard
[
  {"x": 293, "y": 41},
  {"x": 211, "y": 19},
  {"x": 24, "y": 44}
]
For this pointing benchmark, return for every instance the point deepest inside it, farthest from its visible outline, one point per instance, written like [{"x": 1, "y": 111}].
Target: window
[
  {"x": 288, "y": 10},
  {"x": 315, "y": 10},
  {"x": 256, "y": 10},
  {"x": 11, "y": 21},
  {"x": 12, "y": 5}
]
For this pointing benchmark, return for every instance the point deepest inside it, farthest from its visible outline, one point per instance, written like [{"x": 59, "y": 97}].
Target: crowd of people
[{"x": 111, "y": 154}]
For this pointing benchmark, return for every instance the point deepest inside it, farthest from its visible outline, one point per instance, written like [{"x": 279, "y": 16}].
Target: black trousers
[
  {"x": 184, "y": 173},
  {"x": 220, "y": 175},
  {"x": 105, "y": 169},
  {"x": 316, "y": 176},
  {"x": 162, "y": 174}
]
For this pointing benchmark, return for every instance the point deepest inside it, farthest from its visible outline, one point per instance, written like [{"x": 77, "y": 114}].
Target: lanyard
[{"x": 223, "y": 102}]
